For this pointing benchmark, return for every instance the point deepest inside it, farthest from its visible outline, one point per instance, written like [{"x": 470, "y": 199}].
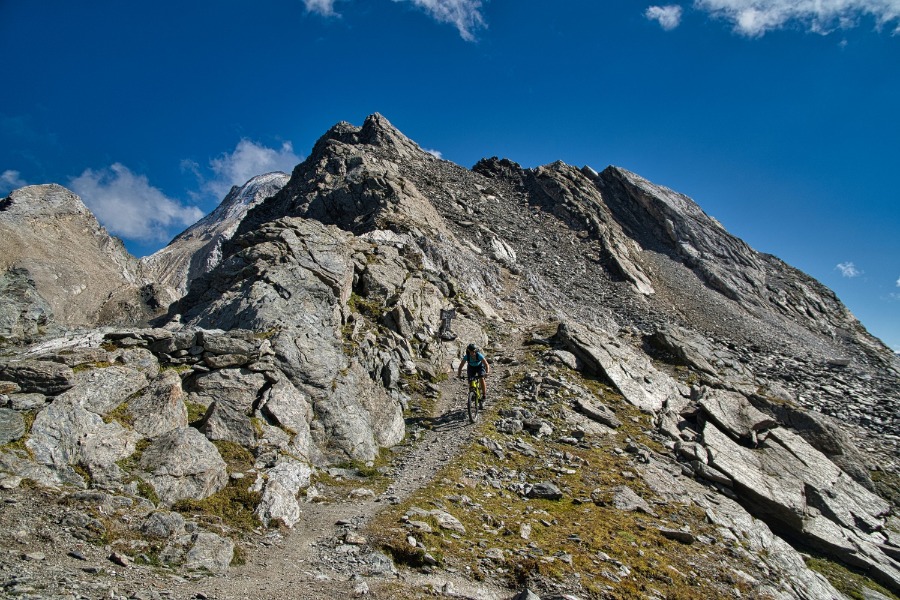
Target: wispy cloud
[
  {"x": 10, "y": 180},
  {"x": 465, "y": 15},
  {"x": 848, "y": 269},
  {"x": 434, "y": 153},
  {"x": 248, "y": 160},
  {"x": 321, "y": 7},
  {"x": 898, "y": 282},
  {"x": 129, "y": 207},
  {"x": 668, "y": 17},
  {"x": 754, "y": 18}
]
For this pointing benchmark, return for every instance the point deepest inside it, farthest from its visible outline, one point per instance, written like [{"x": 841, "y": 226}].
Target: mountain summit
[{"x": 670, "y": 413}]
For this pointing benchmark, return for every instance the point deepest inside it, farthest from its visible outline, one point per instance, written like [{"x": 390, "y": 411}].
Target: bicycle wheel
[{"x": 472, "y": 406}]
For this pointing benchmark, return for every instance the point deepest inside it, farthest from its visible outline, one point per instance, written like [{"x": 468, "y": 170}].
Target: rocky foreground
[{"x": 671, "y": 413}]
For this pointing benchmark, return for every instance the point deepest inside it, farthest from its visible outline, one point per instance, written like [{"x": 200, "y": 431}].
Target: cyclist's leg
[{"x": 483, "y": 383}]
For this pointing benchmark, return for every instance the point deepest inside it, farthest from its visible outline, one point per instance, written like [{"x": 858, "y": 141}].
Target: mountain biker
[{"x": 477, "y": 366}]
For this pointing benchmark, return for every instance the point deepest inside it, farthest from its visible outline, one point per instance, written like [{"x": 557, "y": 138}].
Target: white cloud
[
  {"x": 755, "y": 18},
  {"x": 668, "y": 17},
  {"x": 465, "y": 15},
  {"x": 434, "y": 153},
  {"x": 848, "y": 269},
  {"x": 898, "y": 282},
  {"x": 10, "y": 180},
  {"x": 322, "y": 7},
  {"x": 129, "y": 207},
  {"x": 248, "y": 160}
]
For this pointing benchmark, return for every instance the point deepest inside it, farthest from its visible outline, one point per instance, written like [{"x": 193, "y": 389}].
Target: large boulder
[
  {"x": 102, "y": 390},
  {"x": 183, "y": 464},
  {"x": 279, "y": 491},
  {"x": 12, "y": 426},
  {"x": 159, "y": 407},
  {"x": 66, "y": 433},
  {"x": 733, "y": 413},
  {"x": 290, "y": 409},
  {"x": 230, "y": 396}
]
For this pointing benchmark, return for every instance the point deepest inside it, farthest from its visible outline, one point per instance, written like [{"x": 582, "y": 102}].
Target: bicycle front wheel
[{"x": 472, "y": 406}]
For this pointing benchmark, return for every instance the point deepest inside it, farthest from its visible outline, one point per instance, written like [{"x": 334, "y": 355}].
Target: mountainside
[
  {"x": 60, "y": 268},
  {"x": 199, "y": 248},
  {"x": 671, "y": 414}
]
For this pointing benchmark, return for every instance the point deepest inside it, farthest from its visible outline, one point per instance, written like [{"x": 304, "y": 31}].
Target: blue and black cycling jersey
[
  {"x": 474, "y": 361},
  {"x": 474, "y": 364}
]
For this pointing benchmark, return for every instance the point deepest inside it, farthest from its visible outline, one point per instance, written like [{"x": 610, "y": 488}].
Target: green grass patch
[
  {"x": 19, "y": 444},
  {"x": 239, "y": 557},
  {"x": 89, "y": 366},
  {"x": 371, "y": 309},
  {"x": 845, "y": 580},
  {"x": 233, "y": 505},
  {"x": 120, "y": 415},
  {"x": 887, "y": 485},
  {"x": 238, "y": 458},
  {"x": 267, "y": 334},
  {"x": 195, "y": 411}
]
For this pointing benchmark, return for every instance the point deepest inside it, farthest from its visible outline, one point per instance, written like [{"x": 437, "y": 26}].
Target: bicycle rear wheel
[{"x": 472, "y": 406}]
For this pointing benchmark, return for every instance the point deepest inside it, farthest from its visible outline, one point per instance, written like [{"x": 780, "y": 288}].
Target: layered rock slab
[
  {"x": 788, "y": 482},
  {"x": 630, "y": 371}
]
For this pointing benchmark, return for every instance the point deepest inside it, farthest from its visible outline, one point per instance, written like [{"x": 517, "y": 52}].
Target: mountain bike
[{"x": 474, "y": 401}]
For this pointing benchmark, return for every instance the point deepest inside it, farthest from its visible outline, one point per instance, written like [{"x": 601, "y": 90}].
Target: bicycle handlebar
[{"x": 464, "y": 377}]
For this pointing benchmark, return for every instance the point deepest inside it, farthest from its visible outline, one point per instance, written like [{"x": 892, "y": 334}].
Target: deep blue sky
[{"x": 779, "y": 123}]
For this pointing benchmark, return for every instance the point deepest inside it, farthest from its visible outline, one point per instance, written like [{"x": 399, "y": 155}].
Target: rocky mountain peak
[
  {"x": 376, "y": 131},
  {"x": 354, "y": 179},
  {"x": 38, "y": 201}
]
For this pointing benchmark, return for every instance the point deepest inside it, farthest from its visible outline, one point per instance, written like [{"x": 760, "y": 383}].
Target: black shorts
[{"x": 475, "y": 371}]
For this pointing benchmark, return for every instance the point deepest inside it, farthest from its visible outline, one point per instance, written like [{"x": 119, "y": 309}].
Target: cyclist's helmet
[{"x": 472, "y": 348}]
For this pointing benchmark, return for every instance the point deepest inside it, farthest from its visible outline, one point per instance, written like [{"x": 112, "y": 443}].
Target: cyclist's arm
[
  {"x": 459, "y": 368},
  {"x": 487, "y": 366}
]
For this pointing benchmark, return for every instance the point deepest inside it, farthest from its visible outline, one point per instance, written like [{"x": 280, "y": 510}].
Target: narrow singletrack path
[{"x": 314, "y": 560}]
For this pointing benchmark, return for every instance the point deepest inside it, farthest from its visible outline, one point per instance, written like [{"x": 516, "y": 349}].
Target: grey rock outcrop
[
  {"x": 159, "y": 407},
  {"x": 182, "y": 463},
  {"x": 39, "y": 376},
  {"x": 67, "y": 433},
  {"x": 279, "y": 491},
  {"x": 733, "y": 413},
  {"x": 799, "y": 488},
  {"x": 12, "y": 426},
  {"x": 292, "y": 268}
]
